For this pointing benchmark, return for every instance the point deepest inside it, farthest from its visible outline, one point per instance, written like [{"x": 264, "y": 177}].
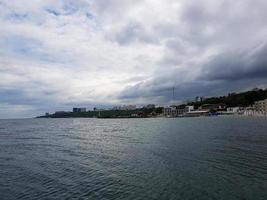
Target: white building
[
  {"x": 170, "y": 111},
  {"x": 261, "y": 106},
  {"x": 183, "y": 111},
  {"x": 250, "y": 111},
  {"x": 173, "y": 111},
  {"x": 234, "y": 110},
  {"x": 189, "y": 109}
]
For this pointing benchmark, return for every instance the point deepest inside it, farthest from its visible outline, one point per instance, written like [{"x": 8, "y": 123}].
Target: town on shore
[{"x": 250, "y": 103}]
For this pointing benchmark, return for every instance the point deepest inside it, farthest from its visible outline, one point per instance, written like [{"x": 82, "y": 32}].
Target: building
[
  {"x": 261, "y": 106},
  {"x": 189, "y": 109},
  {"x": 250, "y": 111},
  {"x": 213, "y": 107},
  {"x": 125, "y": 107},
  {"x": 177, "y": 111},
  {"x": 197, "y": 113},
  {"x": 234, "y": 110},
  {"x": 170, "y": 111},
  {"x": 199, "y": 99},
  {"x": 181, "y": 111},
  {"x": 78, "y": 110}
]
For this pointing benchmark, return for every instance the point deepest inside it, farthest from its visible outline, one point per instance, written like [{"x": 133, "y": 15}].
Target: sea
[{"x": 198, "y": 158}]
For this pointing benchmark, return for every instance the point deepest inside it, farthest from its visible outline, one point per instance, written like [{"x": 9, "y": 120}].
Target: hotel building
[{"x": 261, "y": 106}]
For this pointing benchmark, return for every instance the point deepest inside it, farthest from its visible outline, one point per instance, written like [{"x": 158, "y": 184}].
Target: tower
[{"x": 173, "y": 94}]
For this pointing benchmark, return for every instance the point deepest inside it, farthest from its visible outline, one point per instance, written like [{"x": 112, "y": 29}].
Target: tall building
[{"x": 261, "y": 106}]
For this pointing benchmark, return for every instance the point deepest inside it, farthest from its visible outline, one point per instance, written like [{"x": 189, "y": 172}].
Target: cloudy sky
[{"x": 56, "y": 54}]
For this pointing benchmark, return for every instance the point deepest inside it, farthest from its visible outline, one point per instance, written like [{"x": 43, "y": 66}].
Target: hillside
[{"x": 235, "y": 99}]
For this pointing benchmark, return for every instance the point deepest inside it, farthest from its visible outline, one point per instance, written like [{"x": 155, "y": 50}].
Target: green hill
[{"x": 242, "y": 99}]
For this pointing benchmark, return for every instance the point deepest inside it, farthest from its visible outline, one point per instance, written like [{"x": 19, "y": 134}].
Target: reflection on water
[{"x": 188, "y": 158}]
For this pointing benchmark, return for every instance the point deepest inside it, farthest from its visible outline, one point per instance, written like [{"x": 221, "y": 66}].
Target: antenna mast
[{"x": 173, "y": 94}]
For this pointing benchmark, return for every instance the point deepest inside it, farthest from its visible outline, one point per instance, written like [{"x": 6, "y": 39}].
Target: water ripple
[{"x": 200, "y": 158}]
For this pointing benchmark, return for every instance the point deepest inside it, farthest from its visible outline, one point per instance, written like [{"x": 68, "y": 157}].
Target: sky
[{"x": 57, "y": 54}]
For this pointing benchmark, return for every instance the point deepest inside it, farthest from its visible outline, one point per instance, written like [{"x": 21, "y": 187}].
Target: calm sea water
[{"x": 188, "y": 158}]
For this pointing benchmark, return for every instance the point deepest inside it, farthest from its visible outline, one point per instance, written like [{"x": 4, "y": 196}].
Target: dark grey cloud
[
  {"x": 235, "y": 66},
  {"x": 223, "y": 73},
  {"x": 187, "y": 91}
]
